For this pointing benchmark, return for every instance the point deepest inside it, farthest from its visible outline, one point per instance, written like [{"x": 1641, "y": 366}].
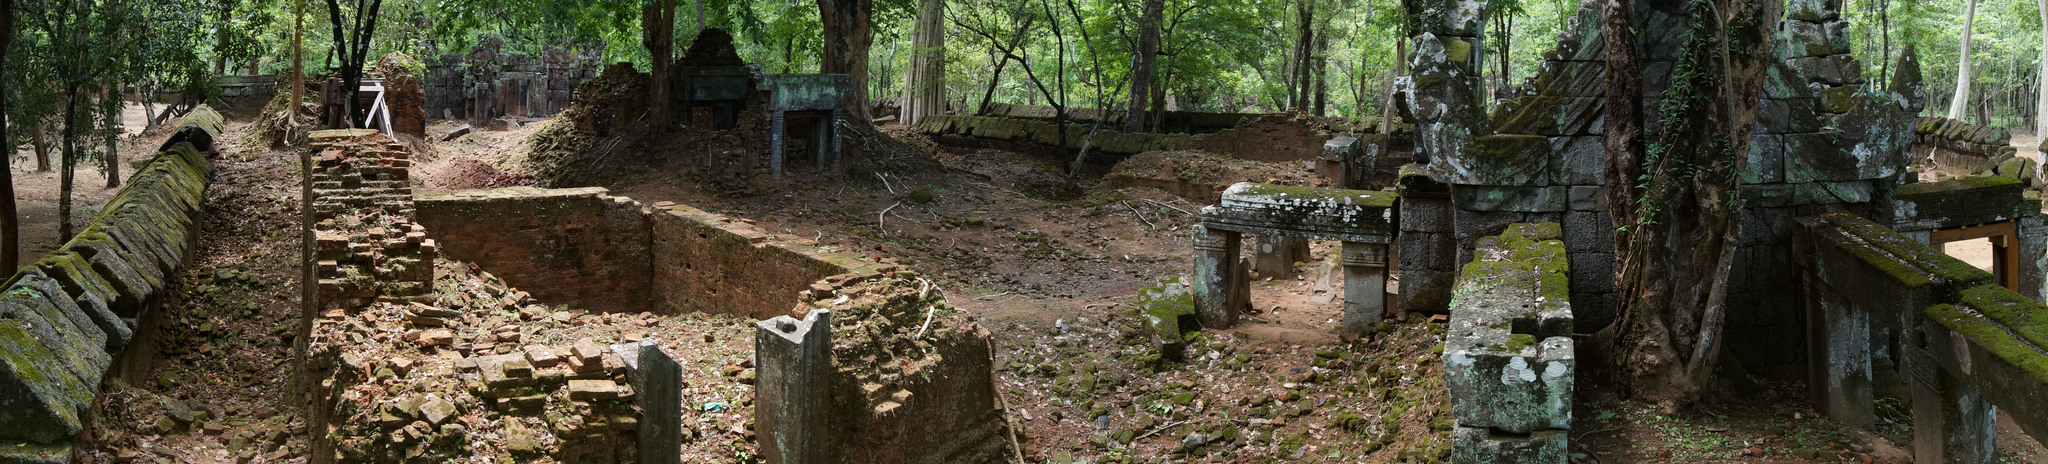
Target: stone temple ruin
[
  {"x": 1502, "y": 222},
  {"x": 396, "y": 350}
]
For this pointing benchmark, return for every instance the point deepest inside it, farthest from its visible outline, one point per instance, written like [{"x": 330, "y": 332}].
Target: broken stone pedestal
[
  {"x": 1221, "y": 286},
  {"x": 1365, "y": 285},
  {"x": 793, "y": 390},
  {"x": 657, "y": 381},
  {"x": 1363, "y": 220}
]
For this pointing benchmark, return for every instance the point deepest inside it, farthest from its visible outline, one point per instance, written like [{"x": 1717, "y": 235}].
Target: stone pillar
[
  {"x": 832, "y": 135},
  {"x": 1216, "y": 275},
  {"x": 776, "y": 122},
  {"x": 1838, "y": 344},
  {"x": 792, "y": 394},
  {"x": 820, "y": 130},
  {"x": 2032, "y": 257},
  {"x": 1952, "y": 423},
  {"x": 1428, "y": 244},
  {"x": 1277, "y": 255},
  {"x": 1365, "y": 285},
  {"x": 657, "y": 387}
]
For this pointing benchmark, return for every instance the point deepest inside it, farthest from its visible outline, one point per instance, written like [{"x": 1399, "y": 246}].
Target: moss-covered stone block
[
  {"x": 1169, "y": 310},
  {"x": 40, "y": 401},
  {"x": 1509, "y": 360}
]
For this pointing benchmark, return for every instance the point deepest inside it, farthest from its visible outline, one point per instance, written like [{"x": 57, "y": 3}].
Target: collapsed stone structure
[
  {"x": 1960, "y": 148},
  {"x": 901, "y": 378},
  {"x": 488, "y": 83},
  {"x": 1825, "y": 152},
  {"x": 87, "y": 312}
]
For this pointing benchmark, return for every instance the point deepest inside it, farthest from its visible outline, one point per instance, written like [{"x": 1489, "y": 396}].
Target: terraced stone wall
[{"x": 88, "y": 308}]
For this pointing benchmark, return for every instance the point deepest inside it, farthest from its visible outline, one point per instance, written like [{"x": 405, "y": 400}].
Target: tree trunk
[
  {"x": 849, "y": 32},
  {"x": 298, "y": 62},
  {"x": 38, "y": 136},
  {"x": 1962, "y": 94},
  {"x": 66, "y": 161},
  {"x": 658, "y": 26},
  {"x": 1143, "y": 62},
  {"x": 1680, "y": 237},
  {"x": 1304, "y": 57},
  {"x": 352, "y": 45},
  {"x": 1624, "y": 119},
  {"x": 10, "y": 224},
  {"x": 113, "y": 132},
  {"x": 924, "y": 86},
  {"x": 1319, "y": 64},
  {"x": 2041, "y": 103}
]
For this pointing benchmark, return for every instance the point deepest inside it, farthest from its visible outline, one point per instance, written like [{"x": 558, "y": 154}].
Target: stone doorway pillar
[
  {"x": 1217, "y": 277},
  {"x": 1365, "y": 285}
]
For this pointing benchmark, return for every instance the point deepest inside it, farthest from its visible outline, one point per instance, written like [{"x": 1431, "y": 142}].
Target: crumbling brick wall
[
  {"x": 600, "y": 252},
  {"x": 710, "y": 263},
  {"x": 578, "y": 247}
]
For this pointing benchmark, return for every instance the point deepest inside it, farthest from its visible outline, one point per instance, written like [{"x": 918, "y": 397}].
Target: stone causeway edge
[{"x": 67, "y": 320}]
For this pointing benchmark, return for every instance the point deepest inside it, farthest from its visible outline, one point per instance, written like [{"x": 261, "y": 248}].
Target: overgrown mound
[{"x": 276, "y": 125}]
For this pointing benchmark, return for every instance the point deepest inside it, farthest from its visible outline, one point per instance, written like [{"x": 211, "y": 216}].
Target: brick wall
[
  {"x": 587, "y": 249},
  {"x": 705, "y": 262},
  {"x": 578, "y": 247}
]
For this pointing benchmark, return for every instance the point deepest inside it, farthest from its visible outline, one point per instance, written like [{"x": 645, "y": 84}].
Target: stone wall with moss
[
  {"x": 73, "y": 315},
  {"x": 1509, "y": 359},
  {"x": 1824, "y": 142}
]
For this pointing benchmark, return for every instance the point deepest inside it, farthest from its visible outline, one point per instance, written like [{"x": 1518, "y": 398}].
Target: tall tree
[
  {"x": 1962, "y": 94},
  {"x": 1143, "y": 61},
  {"x": 924, "y": 86},
  {"x": 111, "y": 125},
  {"x": 658, "y": 26},
  {"x": 10, "y": 224},
  {"x": 298, "y": 61},
  {"x": 2041, "y": 103},
  {"x": 849, "y": 33},
  {"x": 352, "y": 36},
  {"x": 1678, "y": 238}
]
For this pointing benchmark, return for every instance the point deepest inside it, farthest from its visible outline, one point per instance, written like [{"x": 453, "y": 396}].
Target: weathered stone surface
[
  {"x": 795, "y": 365},
  {"x": 40, "y": 399},
  {"x": 1514, "y": 199},
  {"x": 1581, "y": 160},
  {"x": 1996, "y": 339},
  {"x": 35, "y": 453},
  {"x": 1588, "y": 198},
  {"x": 1802, "y": 39},
  {"x": 1956, "y": 203},
  {"x": 1766, "y": 160},
  {"x": 1308, "y": 212},
  {"x": 1476, "y": 445},
  {"x": 1508, "y": 356},
  {"x": 1550, "y": 116},
  {"x": 1813, "y": 10},
  {"x": 1823, "y": 157},
  {"x": 1169, "y": 310},
  {"x": 1571, "y": 78}
]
